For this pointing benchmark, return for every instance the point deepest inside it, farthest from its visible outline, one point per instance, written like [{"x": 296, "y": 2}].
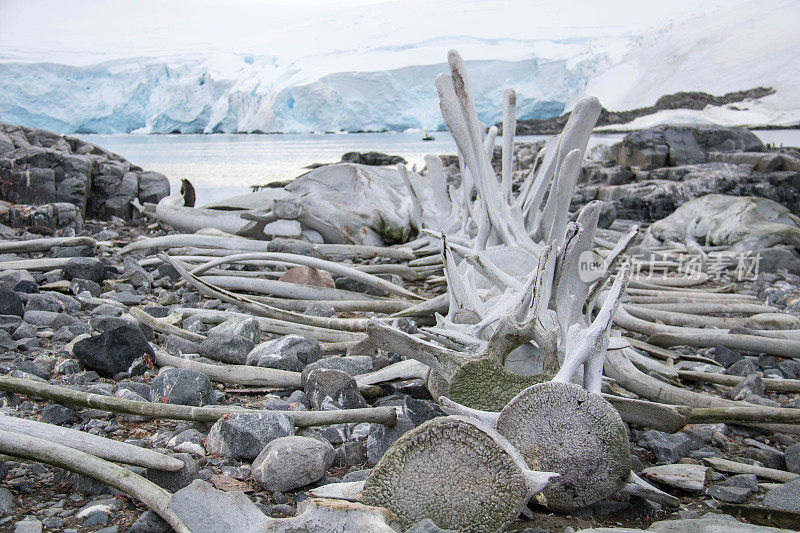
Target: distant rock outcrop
[
  {"x": 652, "y": 172},
  {"x": 669, "y": 146},
  {"x": 682, "y": 100},
  {"x": 40, "y": 167}
]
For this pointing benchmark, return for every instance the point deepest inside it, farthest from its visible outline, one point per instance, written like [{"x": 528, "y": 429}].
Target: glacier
[
  {"x": 151, "y": 96},
  {"x": 372, "y": 68}
]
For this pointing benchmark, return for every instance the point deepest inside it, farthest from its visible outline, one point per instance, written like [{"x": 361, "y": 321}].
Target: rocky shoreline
[{"x": 90, "y": 313}]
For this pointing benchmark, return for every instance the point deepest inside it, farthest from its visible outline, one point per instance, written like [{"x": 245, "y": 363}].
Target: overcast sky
[{"x": 85, "y": 31}]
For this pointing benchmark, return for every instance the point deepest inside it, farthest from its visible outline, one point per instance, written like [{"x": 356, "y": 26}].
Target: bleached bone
[
  {"x": 541, "y": 419},
  {"x": 621, "y": 370},
  {"x": 165, "y": 325},
  {"x": 571, "y": 288},
  {"x": 261, "y": 309},
  {"x": 456, "y": 471},
  {"x": 509, "y": 129},
  {"x": 636, "y": 486},
  {"x": 772, "y": 384},
  {"x": 402, "y": 370},
  {"x": 43, "y": 245},
  {"x": 588, "y": 345},
  {"x": 330, "y": 266},
  {"x": 55, "y": 454},
  {"x": 171, "y": 211},
  {"x": 240, "y": 245},
  {"x": 44, "y": 264},
  {"x": 673, "y": 318},
  {"x": 277, "y": 327},
  {"x": 378, "y": 415},
  {"x": 458, "y": 110},
  {"x": 283, "y": 289},
  {"x": 250, "y": 376},
  {"x": 574, "y": 137},
  {"x": 703, "y": 309},
  {"x": 664, "y": 335},
  {"x": 350, "y": 491},
  {"x": 108, "y": 449}
]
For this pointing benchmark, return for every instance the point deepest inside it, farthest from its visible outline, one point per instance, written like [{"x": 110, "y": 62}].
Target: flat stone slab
[{"x": 686, "y": 477}]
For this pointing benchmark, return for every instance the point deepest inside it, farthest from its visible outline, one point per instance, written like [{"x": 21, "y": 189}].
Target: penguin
[{"x": 187, "y": 190}]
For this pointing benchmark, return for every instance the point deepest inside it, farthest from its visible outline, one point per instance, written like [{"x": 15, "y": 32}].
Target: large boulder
[
  {"x": 289, "y": 463},
  {"x": 743, "y": 223},
  {"x": 39, "y": 167},
  {"x": 182, "y": 386},
  {"x": 231, "y": 341},
  {"x": 244, "y": 435},
  {"x": 672, "y": 145},
  {"x": 379, "y": 204},
  {"x": 122, "y": 349}
]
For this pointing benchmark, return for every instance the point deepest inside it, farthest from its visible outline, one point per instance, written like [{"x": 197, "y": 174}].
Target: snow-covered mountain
[{"x": 370, "y": 65}]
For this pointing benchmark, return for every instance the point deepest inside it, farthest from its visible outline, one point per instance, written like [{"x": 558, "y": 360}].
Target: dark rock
[
  {"x": 765, "y": 454},
  {"x": 291, "y": 352},
  {"x": 793, "y": 458},
  {"x": 182, "y": 386},
  {"x": 752, "y": 385},
  {"x": 293, "y": 246},
  {"x": 318, "y": 309},
  {"x": 174, "y": 481},
  {"x": 329, "y": 389},
  {"x": 152, "y": 187},
  {"x": 43, "y": 302},
  {"x": 150, "y": 522},
  {"x": 89, "y": 268},
  {"x": 289, "y": 463},
  {"x": 202, "y": 508},
  {"x": 419, "y": 411},
  {"x": 742, "y": 368},
  {"x": 176, "y": 345},
  {"x": 725, "y": 356},
  {"x": 27, "y": 287},
  {"x": 231, "y": 341},
  {"x": 10, "y": 303},
  {"x": 347, "y": 284},
  {"x": 40, "y": 318},
  {"x": 670, "y": 145},
  {"x": 786, "y": 497},
  {"x": 351, "y": 365},
  {"x": 244, "y": 435},
  {"x": 168, "y": 271},
  {"x": 667, "y": 448},
  {"x": 113, "y": 352},
  {"x": 9, "y": 323},
  {"x": 28, "y": 329},
  {"x": 372, "y": 158},
  {"x": 729, "y": 494},
  {"x": 8, "y": 503},
  {"x": 382, "y": 437},
  {"x": 790, "y": 368},
  {"x": 350, "y": 453},
  {"x": 59, "y": 415}
]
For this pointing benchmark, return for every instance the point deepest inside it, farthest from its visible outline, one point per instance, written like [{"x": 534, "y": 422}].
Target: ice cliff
[
  {"x": 258, "y": 94},
  {"x": 349, "y": 70}
]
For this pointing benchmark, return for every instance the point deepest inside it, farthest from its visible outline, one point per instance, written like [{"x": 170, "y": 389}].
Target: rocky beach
[{"x": 276, "y": 362}]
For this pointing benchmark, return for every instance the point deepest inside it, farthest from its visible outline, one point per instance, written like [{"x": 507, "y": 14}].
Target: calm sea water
[{"x": 221, "y": 166}]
